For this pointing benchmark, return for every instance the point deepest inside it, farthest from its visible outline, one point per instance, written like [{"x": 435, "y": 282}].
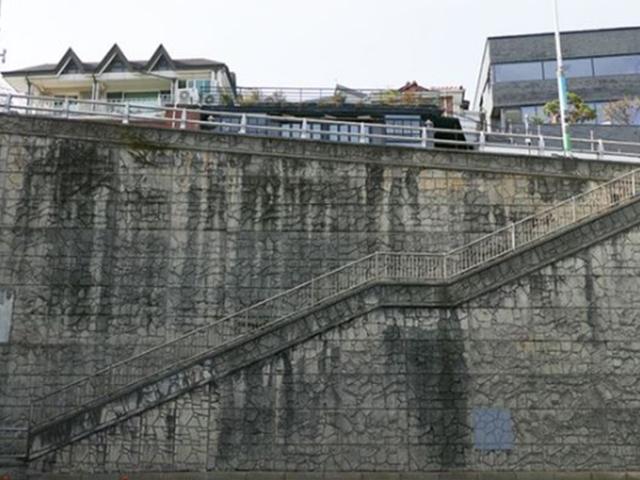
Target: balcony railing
[
  {"x": 335, "y": 96},
  {"x": 242, "y": 96}
]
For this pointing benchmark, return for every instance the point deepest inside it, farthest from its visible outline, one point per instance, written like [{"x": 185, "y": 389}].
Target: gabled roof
[
  {"x": 160, "y": 57},
  {"x": 114, "y": 54},
  {"x": 69, "y": 57}
]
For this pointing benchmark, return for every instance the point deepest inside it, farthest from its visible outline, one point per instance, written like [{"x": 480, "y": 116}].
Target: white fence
[{"x": 316, "y": 129}]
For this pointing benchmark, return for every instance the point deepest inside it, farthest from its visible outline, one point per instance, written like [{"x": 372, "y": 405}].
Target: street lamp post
[{"x": 562, "y": 88}]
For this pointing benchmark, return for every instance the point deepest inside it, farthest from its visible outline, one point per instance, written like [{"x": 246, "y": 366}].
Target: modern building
[
  {"x": 518, "y": 73},
  {"x": 160, "y": 80}
]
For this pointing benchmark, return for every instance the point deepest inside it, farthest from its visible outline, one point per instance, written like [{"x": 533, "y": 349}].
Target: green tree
[{"x": 579, "y": 111}]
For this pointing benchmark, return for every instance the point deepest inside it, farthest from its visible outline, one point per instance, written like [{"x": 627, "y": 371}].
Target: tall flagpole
[{"x": 562, "y": 88}]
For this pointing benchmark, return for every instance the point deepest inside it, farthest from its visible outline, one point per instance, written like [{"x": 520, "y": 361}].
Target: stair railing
[{"x": 393, "y": 266}]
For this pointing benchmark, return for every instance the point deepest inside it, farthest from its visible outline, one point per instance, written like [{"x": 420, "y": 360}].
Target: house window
[
  {"x": 259, "y": 122},
  {"x": 340, "y": 133},
  {"x": 315, "y": 131},
  {"x": 291, "y": 129},
  {"x": 134, "y": 98},
  {"x": 400, "y": 121},
  {"x": 203, "y": 86}
]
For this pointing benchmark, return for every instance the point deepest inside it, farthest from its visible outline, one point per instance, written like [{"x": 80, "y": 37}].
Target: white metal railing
[
  {"x": 335, "y": 96},
  {"x": 316, "y": 129},
  {"x": 380, "y": 266}
]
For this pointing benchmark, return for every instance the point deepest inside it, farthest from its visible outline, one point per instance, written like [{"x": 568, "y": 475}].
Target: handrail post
[
  {"x": 7, "y": 106},
  {"x": 31, "y": 419},
  {"x": 600, "y": 148},
  {"x": 513, "y": 236},
  {"x": 66, "y": 107},
  {"x": 482, "y": 140},
  {"x": 430, "y": 134},
  {"x": 363, "y": 133},
  {"x": 243, "y": 124},
  {"x": 424, "y": 137},
  {"x": 304, "y": 134},
  {"x": 313, "y": 291},
  {"x": 445, "y": 270},
  {"x": 633, "y": 184},
  {"x": 574, "y": 209},
  {"x": 183, "y": 119},
  {"x": 541, "y": 145},
  {"x": 125, "y": 115}
]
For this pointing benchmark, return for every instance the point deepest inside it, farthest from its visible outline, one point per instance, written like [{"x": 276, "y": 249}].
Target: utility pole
[{"x": 563, "y": 93}]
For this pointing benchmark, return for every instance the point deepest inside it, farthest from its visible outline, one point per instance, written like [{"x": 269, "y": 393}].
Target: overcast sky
[{"x": 358, "y": 43}]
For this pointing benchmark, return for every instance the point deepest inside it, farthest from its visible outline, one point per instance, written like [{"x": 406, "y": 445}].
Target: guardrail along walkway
[{"x": 298, "y": 128}]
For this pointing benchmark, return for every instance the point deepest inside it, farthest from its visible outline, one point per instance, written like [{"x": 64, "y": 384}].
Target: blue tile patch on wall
[{"x": 493, "y": 429}]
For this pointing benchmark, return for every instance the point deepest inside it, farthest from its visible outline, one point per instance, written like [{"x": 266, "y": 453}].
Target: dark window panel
[
  {"x": 574, "y": 68},
  {"x": 618, "y": 65},
  {"x": 515, "y": 72}
]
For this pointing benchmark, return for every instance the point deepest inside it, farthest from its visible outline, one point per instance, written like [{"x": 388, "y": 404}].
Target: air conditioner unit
[
  {"x": 187, "y": 96},
  {"x": 210, "y": 99}
]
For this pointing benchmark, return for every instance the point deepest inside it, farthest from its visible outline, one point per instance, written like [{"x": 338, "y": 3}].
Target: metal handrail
[
  {"x": 216, "y": 334},
  {"x": 396, "y": 266},
  {"x": 311, "y": 94},
  {"x": 426, "y": 136}
]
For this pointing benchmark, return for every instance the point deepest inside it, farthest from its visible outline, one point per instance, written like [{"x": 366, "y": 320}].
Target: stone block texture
[
  {"x": 115, "y": 239},
  {"x": 551, "y": 359}
]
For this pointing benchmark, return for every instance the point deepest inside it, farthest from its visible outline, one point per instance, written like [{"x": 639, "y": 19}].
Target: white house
[{"x": 160, "y": 80}]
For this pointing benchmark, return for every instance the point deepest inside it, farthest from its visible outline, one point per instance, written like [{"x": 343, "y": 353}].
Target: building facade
[{"x": 518, "y": 73}]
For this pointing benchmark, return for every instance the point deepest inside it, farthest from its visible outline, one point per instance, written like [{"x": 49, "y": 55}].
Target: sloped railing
[{"x": 378, "y": 266}]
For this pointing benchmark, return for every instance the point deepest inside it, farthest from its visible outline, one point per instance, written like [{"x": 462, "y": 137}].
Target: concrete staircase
[{"x": 139, "y": 383}]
